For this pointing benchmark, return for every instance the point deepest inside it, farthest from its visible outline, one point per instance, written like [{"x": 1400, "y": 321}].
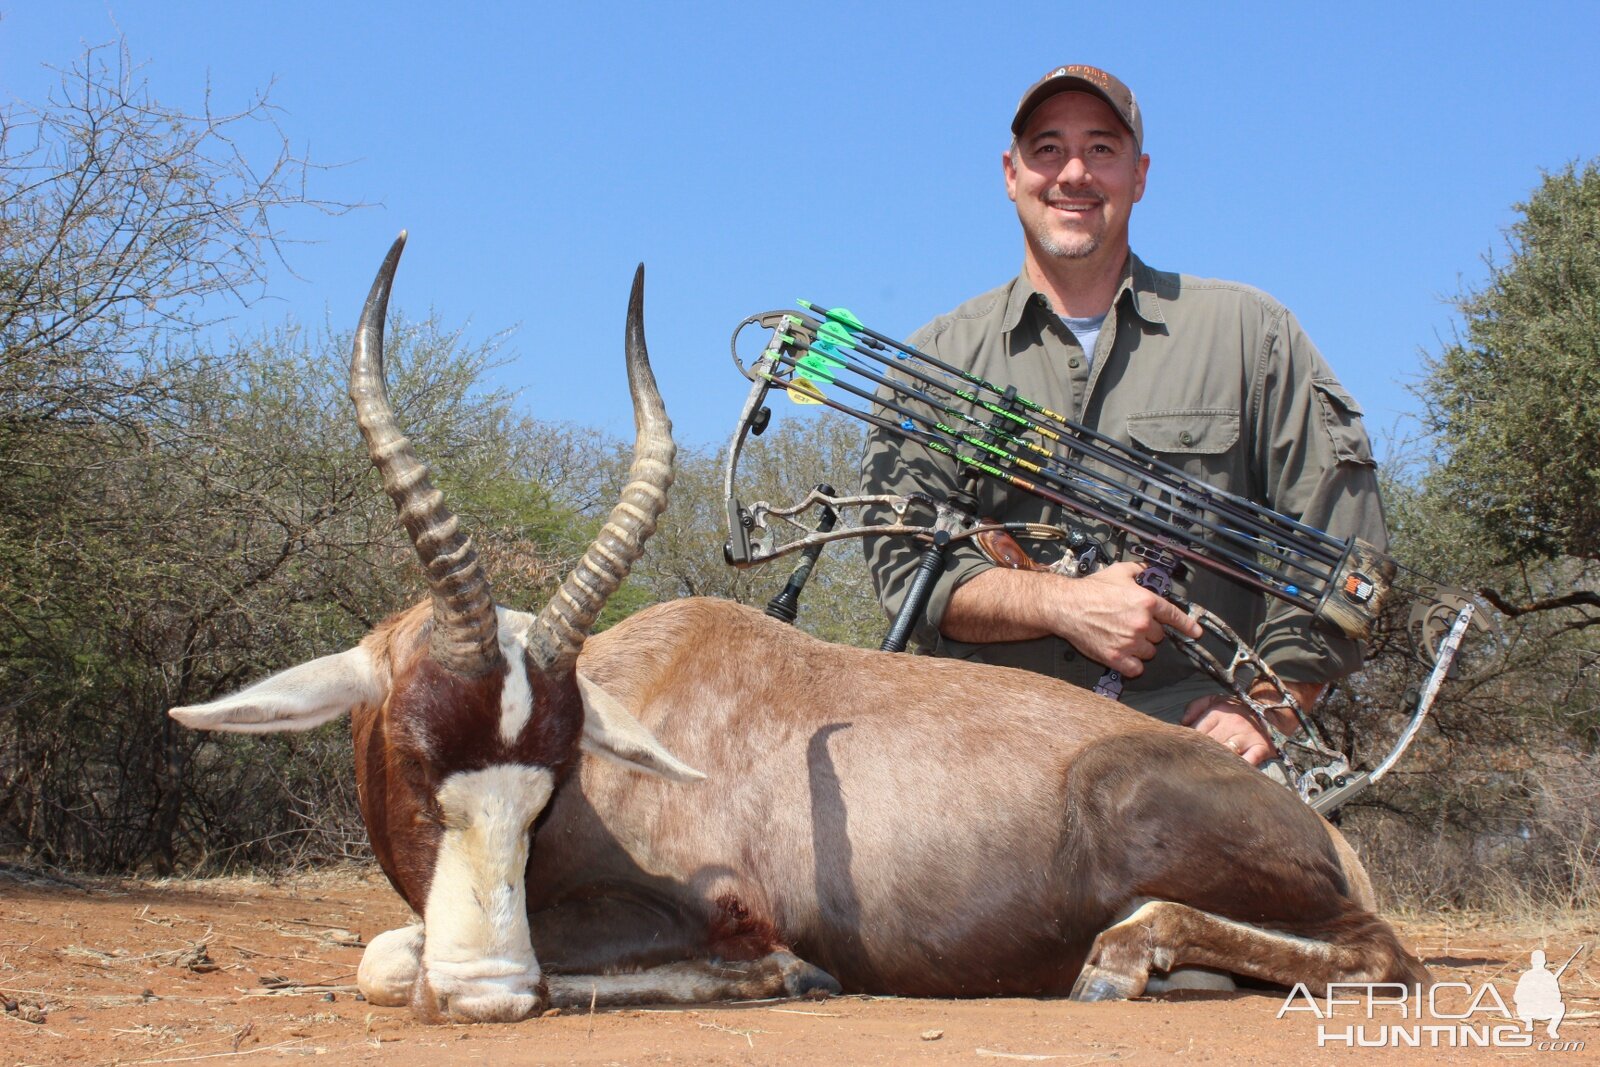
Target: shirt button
[
  {"x": 1074, "y": 362},
  {"x": 1186, "y": 438}
]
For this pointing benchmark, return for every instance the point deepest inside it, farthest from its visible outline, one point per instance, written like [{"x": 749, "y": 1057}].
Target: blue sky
[{"x": 1355, "y": 160}]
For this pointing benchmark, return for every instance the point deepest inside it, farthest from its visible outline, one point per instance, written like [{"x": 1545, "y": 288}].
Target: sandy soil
[{"x": 229, "y": 970}]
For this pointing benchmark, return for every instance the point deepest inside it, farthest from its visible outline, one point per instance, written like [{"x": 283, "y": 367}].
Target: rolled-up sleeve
[{"x": 1315, "y": 463}]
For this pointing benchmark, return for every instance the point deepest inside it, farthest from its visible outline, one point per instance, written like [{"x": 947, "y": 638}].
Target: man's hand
[
  {"x": 1107, "y": 615},
  {"x": 1113, "y": 620},
  {"x": 1226, "y": 720}
]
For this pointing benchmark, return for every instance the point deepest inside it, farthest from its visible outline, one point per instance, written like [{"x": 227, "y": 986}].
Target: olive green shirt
[{"x": 1213, "y": 377}]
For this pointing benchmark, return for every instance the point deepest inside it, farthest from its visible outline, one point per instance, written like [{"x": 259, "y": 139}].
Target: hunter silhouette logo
[
  {"x": 1538, "y": 993},
  {"x": 1442, "y": 1015}
]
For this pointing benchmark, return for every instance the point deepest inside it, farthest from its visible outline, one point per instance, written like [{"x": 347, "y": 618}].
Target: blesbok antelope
[{"x": 873, "y": 822}]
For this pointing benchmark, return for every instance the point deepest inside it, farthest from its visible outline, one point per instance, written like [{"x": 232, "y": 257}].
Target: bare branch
[
  {"x": 1577, "y": 598},
  {"x": 123, "y": 221}
]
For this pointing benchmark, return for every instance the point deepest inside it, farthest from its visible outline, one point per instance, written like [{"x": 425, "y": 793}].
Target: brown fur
[
  {"x": 435, "y": 724},
  {"x": 911, "y": 825}
]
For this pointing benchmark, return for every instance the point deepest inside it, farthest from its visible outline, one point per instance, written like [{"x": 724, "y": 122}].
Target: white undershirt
[{"x": 1087, "y": 331}]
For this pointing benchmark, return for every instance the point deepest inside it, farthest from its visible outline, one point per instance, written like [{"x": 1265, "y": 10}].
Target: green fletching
[
  {"x": 835, "y": 334},
  {"x": 819, "y": 366},
  {"x": 823, "y": 358},
  {"x": 842, "y": 315}
]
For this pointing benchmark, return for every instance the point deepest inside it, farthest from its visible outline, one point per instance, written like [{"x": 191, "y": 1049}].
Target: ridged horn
[
  {"x": 557, "y": 635},
  {"x": 465, "y": 629}
]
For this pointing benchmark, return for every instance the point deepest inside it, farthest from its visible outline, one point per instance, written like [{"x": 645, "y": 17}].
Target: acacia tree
[
  {"x": 1498, "y": 801},
  {"x": 123, "y": 224},
  {"x": 121, "y": 219},
  {"x": 685, "y": 556},
  {"x": 177, "y": 519},
  {"x": 1513, "y": 402},
  {"x": 236, "y": 530},
  {"x": 1501, "y": 781}
]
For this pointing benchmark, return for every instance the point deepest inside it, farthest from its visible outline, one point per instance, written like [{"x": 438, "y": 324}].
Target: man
[
  {"x": 1213, "y": 377},
  {"x": 1538, "y": 995}
]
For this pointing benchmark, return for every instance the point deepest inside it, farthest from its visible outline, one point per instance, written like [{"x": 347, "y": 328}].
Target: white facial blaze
[
  {"x": 516, "y": 697},
  {"x": 477, "y": 952}
]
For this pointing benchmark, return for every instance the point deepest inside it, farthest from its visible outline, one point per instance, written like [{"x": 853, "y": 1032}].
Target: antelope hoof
[
  {"x": 1095, "y": 984},
  {"x": 801, "y": 979}
]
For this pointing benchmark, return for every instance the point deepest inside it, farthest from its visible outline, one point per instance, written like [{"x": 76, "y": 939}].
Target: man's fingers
[
  {"x": 1168, "y": 614},
  {"x": 1131, "y": 657},
  {"x": 1247, "y": 747},
  {"x": 1198, "y": 707},
  {"x": 1256, "y": 754},
  {"x": 1229, "y": 728}
]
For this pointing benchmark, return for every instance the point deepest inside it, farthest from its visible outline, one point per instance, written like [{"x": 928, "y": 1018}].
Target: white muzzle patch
[{"x": 477, "y": 954}]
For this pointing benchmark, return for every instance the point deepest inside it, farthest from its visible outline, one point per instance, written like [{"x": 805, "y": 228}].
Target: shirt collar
[
  {"x": 1139, "y": 282},
  {"x": 1022, "y": 295},
  {"x": 1138, "y": 286}
]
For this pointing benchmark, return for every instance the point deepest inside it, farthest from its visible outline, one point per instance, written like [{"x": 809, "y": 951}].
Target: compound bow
[{"x": 828, "y": 357}]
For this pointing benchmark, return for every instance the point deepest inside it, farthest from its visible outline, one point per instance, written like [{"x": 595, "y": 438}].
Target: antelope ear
[
  {"x": 296, "y": 699},
  {"x": 611, "y": 732}
]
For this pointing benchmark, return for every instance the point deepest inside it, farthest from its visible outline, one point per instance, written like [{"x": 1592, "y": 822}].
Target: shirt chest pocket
[{"x": 1200, "y": 441}]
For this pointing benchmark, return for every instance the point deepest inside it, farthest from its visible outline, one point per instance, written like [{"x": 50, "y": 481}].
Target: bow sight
[{"x": 827, "y": 357}]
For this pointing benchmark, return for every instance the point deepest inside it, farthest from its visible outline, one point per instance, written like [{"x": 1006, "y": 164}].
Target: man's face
[{"x": 1075, "y": 177}]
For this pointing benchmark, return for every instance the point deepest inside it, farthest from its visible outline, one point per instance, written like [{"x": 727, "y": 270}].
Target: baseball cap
[{"x": 1079, "y": 78}]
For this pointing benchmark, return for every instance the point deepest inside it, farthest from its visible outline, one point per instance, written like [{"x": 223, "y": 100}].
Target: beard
[
  {"x": 1079, "y": 240},
  {"x": 1079, "y": 246}
]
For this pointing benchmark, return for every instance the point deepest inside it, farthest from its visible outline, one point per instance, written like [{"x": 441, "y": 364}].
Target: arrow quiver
[{"x": 826, "y": 357}]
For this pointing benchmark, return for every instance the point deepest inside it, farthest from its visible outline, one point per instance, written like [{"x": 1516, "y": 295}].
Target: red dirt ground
[{"x": 139, "y": 972}]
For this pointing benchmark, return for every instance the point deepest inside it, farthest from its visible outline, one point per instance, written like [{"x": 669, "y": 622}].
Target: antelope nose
[{"x": 498, "y": 999}]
